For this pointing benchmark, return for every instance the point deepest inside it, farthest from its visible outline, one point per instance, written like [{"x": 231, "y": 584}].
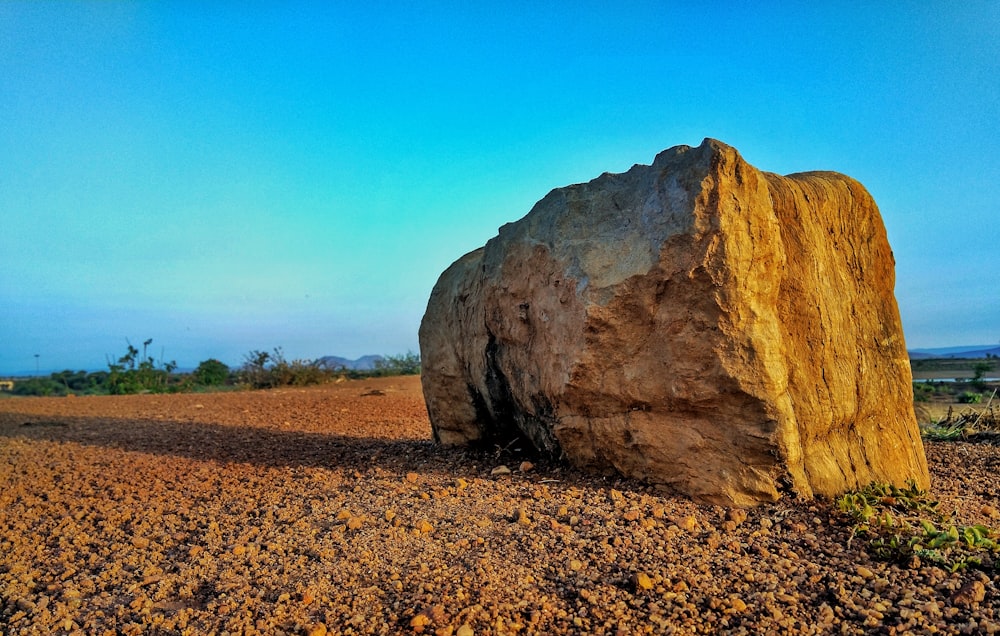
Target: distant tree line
[
  {"x": 134, "y": 373},
  {"x": 263, "y": 370},
  {"x": 967, "y": 391}
]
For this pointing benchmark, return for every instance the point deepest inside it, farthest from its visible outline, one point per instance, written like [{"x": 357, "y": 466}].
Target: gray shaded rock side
[{"x": 728, "y": 333}]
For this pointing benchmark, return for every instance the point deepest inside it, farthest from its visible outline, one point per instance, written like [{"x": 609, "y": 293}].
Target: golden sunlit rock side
[{"x": 697, "y": 323}]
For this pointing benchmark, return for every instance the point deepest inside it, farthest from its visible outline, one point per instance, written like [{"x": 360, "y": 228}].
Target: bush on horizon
[
  {"x": 979, "y": 371},
  {"x": 405, "y": 364},
  {"x": 211, "y": 372},
  {"x": 131, "y": 374},
  {"x": 264, "y": 370},
  {"x": 134, "y": 374}
]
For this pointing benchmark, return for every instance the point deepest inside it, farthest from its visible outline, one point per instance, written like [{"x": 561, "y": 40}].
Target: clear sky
[{"x": 227, "y": 176}]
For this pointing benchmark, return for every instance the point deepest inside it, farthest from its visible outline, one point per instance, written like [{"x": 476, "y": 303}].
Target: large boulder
[{"x": 728, "y": 333}]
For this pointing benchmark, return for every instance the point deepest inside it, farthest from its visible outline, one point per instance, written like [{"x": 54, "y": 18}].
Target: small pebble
[
  {"x": 420, "y": 620},
  {"x": 643, "y": 582},
  {"x": 688, "y": 523},
  {"x": 970, "y": 594}
]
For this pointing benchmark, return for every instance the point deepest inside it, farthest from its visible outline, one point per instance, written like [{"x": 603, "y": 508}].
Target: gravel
[{"x": 328, "y": 510}]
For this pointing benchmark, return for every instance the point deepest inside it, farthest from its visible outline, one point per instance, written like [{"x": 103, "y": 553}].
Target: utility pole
[{"x": 36, "y": 363}]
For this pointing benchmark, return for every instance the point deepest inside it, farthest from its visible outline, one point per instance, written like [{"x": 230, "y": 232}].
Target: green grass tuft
[{"x": 905, "y": 525}]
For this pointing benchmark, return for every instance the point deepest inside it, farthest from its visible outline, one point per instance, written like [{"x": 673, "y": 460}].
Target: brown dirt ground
[{"x": 329, "y": 510}]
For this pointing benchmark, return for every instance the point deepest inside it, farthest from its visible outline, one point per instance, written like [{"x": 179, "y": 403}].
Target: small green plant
[
  {"x": 903, "y": 523},
  {"x": 943, "y": 431},
  {"x": 922, "y": 391},
  {"x": 968, "y": 397}
]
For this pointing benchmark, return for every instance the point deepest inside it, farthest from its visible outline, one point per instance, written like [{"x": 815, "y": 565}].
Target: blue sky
[{"x": 229, "y": 176}]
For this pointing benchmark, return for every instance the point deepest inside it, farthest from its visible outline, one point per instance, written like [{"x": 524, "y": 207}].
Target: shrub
[
  {"x": 63, "y": 383},
  {"x": 922, "y": 391},
  {"x": 134, "y": 375},
  {"x": 968, "y": 397},
  {"x": 43, "y": 387},
  {"x": 263, "y": 370},
  {"x": 406, "y": 364},
  {"x": 211, "y": 372}
]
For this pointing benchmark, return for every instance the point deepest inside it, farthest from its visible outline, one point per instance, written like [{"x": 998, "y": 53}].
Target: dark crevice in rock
[
  {"x": 502, "y": 421},
  {"x": 497, "y": 420},
  {"x": 539, "y": 426}
]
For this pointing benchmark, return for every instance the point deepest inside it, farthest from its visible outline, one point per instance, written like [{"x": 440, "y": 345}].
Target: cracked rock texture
[{"x": 697, "y": 323}]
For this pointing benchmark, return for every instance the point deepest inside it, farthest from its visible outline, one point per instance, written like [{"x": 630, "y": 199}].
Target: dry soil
[{"x": 329, "y": 510}]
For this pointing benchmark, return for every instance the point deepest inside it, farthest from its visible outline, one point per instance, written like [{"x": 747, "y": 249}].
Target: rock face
[{"x": 729, "y": 333}]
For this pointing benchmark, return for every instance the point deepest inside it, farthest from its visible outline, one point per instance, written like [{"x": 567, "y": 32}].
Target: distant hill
[
  {"x": 974, "y": 351},
  {"x": 364, "y": 363}
]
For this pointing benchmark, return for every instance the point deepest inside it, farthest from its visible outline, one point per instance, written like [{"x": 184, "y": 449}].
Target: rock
[
  {"x": 500, "y": 470},
  {"x": 736, "y": 516},
  {"x": 423, "y": 526},
  {"x": 437, "y": 614},
  {"x": 970, "y": 594},
  {"x": 699, "y": 324},
  {"x": 420, "y": 621},
  {"x": 688, "y": 523},
  {"x": 521, "y": 516},
  {"x": 318, "y": 629},
  {"x": 642, "y": 581}
]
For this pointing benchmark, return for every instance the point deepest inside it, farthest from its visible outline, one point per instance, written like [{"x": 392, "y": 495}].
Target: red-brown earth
[{"x": 329, "y": 510}]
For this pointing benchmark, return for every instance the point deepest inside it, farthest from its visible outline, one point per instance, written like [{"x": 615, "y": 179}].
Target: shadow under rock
[
  {"x": 227, "y": 443},
  {"x": 204, "y": 441}
]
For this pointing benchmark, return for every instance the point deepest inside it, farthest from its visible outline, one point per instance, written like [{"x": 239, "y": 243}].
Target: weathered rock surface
[{"x": 726, "y": 332}]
